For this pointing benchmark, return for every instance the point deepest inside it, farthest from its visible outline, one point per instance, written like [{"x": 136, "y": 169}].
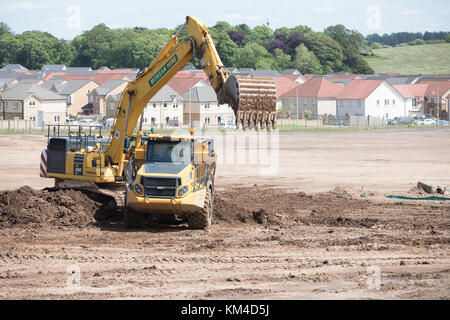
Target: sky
[{"x": 67, "y": 19}]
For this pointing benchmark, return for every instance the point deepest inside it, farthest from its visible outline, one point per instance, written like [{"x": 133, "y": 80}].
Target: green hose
[{"x": 411, "y": 198}]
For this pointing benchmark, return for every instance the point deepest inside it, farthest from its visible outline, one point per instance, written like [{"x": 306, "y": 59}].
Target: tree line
[
  {"x": 335, "y": 49},
  {"x": 399, "y": 38}
]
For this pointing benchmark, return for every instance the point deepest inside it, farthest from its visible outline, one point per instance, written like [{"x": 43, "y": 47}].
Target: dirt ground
[{"x": 304, "y": 232}]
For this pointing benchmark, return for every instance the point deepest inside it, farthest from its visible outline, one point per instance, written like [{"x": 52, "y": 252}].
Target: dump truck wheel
[
  {"x": 203, "y": 218},
  {"x": 133, "y": 219}
]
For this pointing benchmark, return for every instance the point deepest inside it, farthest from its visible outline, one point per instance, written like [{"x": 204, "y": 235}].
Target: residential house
[
  {"x": 414, "y": 96},
  {"x": 49, "y": 68},
  {"x": 97, "y": 96},
  {"x": 30, "y": 101},
  {"x": 184, "y": 81},
  {"x": 435, "y": 98},
  {"x": 13, "y": 67},
  {"x": 376, "y": 98},
  {"x": 76, "y": 93},
  {"x": 317, "y": 95},
  {"x": 201, "y": 108},
  {"x": 111, "y": 104},
  {"x": 290, "y": 71},
  {"x": 165, "y": 108},
  {"x": 284, "y": 84}
]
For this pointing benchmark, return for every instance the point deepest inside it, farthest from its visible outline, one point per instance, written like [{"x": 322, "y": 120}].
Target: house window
[
  {"x": 359, "y": 103},
  {"x": 154, "y": 105},
  {"x": 165, "y": 105},
  {"x": 414, "y": 102},
  {"x": 386, "y": 102},
  {"x": 32, "y": 103},
  {"x": 230, "y": 119},
  {"x": 305, "y": 101},
  {"x": 175, "y": 105},
  {"x": 207, "y": 120},
  {"x": 56, "y": 118},
  {"x": 207, "y": 107},
  {"x": 378, "y": 102},
  {"x": 393, "y": 102},
  {"x": 145, "y": 120},
  {"x": 96, "y": 99},
  {"x": 153, "y": 121},
  {"x": 16, "y": 106}
]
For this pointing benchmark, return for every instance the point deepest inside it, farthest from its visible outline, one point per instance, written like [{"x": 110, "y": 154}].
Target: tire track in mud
[{"x": 304, "y": 246}]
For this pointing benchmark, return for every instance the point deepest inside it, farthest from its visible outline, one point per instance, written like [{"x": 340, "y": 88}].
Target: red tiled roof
[
  {"x": 76, "y": 77},
  {"x": 344, "y": 76},
  {"x": 359, "y": 89},
  {"x": 308, "y": 75},
  {"x": 292, "y": 77},
  {"x": 182, "y": 84},
  {"x": 52, "y": 74},
  {"x": 316, "y": 88},
  {"x": 284, "y": 84},
  {"x": 412, "y": 90},
  {"x": 100, "y": 78},
  {"x": 438, "y": 88}
]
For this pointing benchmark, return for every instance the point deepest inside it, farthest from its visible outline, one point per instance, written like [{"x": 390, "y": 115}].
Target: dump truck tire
[
  {"x": 203, "y": 218},
  {"x": 133, "y": 219}
]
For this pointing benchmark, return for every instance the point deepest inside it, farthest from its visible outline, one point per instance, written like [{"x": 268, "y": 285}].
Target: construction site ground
[{"x": 320, "y": 227}]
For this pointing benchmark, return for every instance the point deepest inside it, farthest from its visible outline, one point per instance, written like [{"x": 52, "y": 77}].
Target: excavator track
[
  {"x": 253, "y": 101},
  {"x": 111, "y": 191}
]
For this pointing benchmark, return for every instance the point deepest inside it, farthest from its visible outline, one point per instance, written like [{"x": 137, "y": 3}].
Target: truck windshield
[{"x": 169, "y": 151}]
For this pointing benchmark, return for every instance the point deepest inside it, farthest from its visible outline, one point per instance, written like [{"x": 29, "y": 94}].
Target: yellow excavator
[{"x": 169, "y": 176}]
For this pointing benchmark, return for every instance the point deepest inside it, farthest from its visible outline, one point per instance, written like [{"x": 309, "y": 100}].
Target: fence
[
  {"x": 21, "y": 126},
  {"x": 331, "y": 121}
]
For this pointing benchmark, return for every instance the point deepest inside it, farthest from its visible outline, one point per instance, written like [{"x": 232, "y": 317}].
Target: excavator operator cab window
[{"x": 169, "y": 151}]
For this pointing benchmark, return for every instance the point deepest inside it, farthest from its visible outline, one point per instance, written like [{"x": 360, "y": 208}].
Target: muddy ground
[{"x": 269, "y": 240}]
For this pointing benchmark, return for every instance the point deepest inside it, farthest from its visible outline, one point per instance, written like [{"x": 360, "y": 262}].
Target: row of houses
[
  {"x": 368, "y": 97},
  {"x": 57, "y": 93}
]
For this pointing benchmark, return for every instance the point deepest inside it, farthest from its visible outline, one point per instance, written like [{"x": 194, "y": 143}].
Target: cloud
[
  {"x": 410, "y": 12},
  {"x": 235, "y": 16},
  {"x": 25, "y": 5},
  {"x": 325, "y": 9}
]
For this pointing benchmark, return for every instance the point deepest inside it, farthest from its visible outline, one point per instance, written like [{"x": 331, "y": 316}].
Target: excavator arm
[{"x": 251, "y": 100}]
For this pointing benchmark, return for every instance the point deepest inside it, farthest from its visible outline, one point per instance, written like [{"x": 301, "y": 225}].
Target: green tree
[
  {"x": 260, "y": 35},
  {"x": 10, "y": 48},
  {"x": 94, "y": 47},
  {"x": 281, "y": 60},
  {"x": 326, "y": 49},
  {"x": 351, "y": 42},
  {"x": 306, "y": 61},
  {"x": 4, "y": 29},
  {"x": 376, "y": 45},
  {"x": 226, "y": 48},
  {"x": 447, "y": 38},
  {"x": 254, "y": 56},
  {"x": 361, "y": 66}
]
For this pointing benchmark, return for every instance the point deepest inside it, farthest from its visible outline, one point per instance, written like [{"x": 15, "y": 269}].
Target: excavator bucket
[{"x": 253, "y": 101}]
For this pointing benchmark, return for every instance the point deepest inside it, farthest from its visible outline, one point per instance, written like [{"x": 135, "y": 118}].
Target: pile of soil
[
  {"x": 53, "y": 207},
  {"x": 339, "y": 207}
]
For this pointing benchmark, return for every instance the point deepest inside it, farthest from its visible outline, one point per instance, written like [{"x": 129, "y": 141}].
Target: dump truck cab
[{"x": 175, "y": 178}]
